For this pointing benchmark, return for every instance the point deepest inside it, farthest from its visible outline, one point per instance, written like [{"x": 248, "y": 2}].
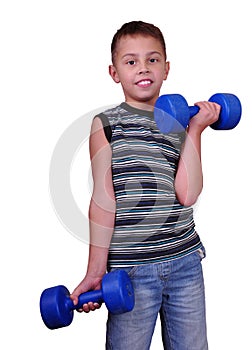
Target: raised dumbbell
[
  {"x": 56, "y": 306},
  {"x": 172, "y": 113}
]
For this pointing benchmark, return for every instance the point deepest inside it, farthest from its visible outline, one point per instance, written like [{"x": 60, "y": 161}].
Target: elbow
[
  {"x": 187, "y": 201},
  {"x": 187, "y": 198}
]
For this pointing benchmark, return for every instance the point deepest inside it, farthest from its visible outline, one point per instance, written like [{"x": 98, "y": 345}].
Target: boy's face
[{"x": 140, "y": 67}]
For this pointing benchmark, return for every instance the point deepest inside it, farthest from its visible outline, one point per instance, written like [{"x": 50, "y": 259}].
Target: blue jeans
[{"x": 173, "y": 289}]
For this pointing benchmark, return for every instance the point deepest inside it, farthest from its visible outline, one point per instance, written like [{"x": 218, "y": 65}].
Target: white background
[{"x": 54, "y": 59}]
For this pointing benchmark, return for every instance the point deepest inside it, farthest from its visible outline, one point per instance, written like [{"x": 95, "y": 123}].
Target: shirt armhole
[{"x": 106, "y": 126}]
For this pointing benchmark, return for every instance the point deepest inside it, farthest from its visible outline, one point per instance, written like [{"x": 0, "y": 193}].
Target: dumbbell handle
[
  {"x": 193, "y": 110},
  {"x": 94, "y": 296}
]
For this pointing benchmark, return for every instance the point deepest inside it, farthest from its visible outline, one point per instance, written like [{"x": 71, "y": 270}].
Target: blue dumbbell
[
  {"x": 57, "y": 308},
  {"x": 172, "y": 113}
]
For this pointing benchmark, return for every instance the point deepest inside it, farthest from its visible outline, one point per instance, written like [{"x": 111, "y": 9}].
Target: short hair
[{"x": 134, "y": 28}]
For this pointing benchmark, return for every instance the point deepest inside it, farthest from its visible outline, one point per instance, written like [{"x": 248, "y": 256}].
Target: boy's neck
[{"x": 141, "y": 105}]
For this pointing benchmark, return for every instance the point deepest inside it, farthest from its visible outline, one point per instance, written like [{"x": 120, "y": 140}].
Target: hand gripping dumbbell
[
  {"x": 56, "y": 307},
  {"x": 172, "y": 113}
]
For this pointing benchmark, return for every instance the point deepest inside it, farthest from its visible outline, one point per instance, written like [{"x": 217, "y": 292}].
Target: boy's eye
[
  {"x": 153, "y": 60},
  {"x": 131, "y": 62}
]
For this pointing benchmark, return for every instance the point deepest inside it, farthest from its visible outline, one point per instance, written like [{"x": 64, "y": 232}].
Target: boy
[{"x": 141, "y": 218}]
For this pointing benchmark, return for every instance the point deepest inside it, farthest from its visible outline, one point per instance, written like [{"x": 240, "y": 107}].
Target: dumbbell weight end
[
  {"x": 171, "y": 113},
  {"x": 56, "y": 307},
  {"x": 231, "y": 111}
]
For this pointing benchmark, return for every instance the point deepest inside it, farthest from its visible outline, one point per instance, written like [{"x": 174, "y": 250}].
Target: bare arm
[
  {"x": 101, "y": 213},
  {"x": 189, "y": 178}
]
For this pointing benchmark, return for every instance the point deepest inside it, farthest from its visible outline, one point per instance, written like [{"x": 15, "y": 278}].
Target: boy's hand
[
  {"x": 207, "y": 115},
  {"x": 87, "y": 284}
]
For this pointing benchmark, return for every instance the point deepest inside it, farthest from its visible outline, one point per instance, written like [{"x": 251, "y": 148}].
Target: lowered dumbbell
[
  {"x": 56, "y": 306},
  {"x": 172, "y": 113}
]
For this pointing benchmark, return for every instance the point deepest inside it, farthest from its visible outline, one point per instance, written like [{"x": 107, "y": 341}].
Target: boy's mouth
[{"x": 144, "y": 83}]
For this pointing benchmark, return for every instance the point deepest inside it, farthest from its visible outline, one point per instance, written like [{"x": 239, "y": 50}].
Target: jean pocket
[{"x": 202, "y": 252}]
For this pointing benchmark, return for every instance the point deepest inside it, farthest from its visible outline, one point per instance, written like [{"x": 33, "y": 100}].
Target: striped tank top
[{"x": 151, "y": 225}]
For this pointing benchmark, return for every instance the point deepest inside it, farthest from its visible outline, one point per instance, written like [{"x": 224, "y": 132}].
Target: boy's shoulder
[
  {"x": 115, "y": 110},
  {"x": 109, "y": 118},
  {"x": 115, "y": 114}
]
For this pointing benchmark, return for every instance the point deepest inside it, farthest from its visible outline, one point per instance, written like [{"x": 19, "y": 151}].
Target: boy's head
[
  {"x": 139, "y": 62},
  {"x": 137, "y": 28}
]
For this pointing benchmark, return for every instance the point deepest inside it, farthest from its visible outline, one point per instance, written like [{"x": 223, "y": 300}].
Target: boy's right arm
[{"x": 101, "y": 213}]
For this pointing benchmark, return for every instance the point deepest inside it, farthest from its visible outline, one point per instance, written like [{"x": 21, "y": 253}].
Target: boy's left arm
[{"x": 189, "y": 178}]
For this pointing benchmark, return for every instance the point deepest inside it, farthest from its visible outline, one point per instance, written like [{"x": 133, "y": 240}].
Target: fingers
[
  {"x": 210, "y": 108},
  {"x": 89, "y": 283},
  {"x": 74, "y": 299},
  {"x": 207, "y": 115},
  {"x": 86, "y": 307},
  {"x": 89, "y": 307}
]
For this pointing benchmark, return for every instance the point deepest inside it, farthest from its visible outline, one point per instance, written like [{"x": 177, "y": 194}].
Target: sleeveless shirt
[{"x": 151, "y": 225}]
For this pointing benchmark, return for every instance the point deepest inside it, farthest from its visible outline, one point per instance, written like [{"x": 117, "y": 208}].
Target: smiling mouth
[{"x": 144, "y": 83}]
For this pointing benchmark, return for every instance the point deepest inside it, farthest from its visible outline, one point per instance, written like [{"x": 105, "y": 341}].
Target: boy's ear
[
  {"x": 167, "y": 69},
  {"x": 113, "y": 74}
]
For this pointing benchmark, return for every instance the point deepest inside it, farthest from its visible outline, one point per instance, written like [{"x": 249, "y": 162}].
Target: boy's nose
[{"x": 143, "y": 69}]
